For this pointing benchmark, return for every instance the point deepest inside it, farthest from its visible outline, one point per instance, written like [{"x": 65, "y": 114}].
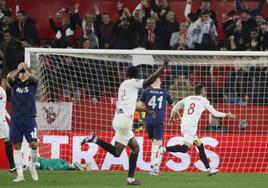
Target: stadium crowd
[{"x": 153, "y": 26}]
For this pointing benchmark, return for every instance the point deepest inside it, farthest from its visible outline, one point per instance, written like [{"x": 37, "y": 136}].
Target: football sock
[
  {"x": 203, "y": 156},
  {"x": 9, "y": 153},
  {"x": 154, "y": 151},
  {"x": 132, "y": 164},
  {"x": 33, "y": 156},
  {"x": 18, "y": 162},
  {"x": 107, "y": 146},
  {"x": 177, "y": 148}
]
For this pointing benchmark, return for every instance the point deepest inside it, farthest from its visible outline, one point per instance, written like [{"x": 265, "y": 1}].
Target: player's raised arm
[
  {"x": 156, "y": 74},
  {"x": 12, "y": 75},
  {"x": 30, "y": 73},
  {"x": 216, "y": 113}
]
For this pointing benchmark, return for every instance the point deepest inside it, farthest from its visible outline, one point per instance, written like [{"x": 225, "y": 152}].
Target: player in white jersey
[
  {"x": 4, "y": 129},
  {"x": 123, "y": 118},
  {"x": 193, "y": 107}
]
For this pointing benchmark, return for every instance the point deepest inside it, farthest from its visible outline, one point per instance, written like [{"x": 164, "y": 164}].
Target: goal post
[{"x": 77, "y": 93}]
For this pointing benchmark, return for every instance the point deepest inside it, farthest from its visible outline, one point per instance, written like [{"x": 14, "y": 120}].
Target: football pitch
[{"x": 78, "y": 179}]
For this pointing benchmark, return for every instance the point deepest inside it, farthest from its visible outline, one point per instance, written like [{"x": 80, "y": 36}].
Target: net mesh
[{"x": 89, "y": 83}]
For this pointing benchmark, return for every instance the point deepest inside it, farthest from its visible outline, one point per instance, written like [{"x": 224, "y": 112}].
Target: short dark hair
[
  {"x": 7, "y": 31},
  {"x": 23, "y": 12},
  {"x": 205, "y": 12},
  {"x": 198, "y": 89},
  {"x": 133, "y": 72}
]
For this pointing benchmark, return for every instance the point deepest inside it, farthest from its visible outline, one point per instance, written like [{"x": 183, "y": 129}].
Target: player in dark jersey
[
  {"x": 154, "y": 99},
  {"x": 23, "y": 83}
]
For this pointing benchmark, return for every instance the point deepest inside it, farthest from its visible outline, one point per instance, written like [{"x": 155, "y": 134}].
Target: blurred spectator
[
  {"x": 65, "y": 33},
  {"x": 215, "y": 125},
  {"x": 254, "y": 43},
  {"x": 181, "y": 88},
  {"x": 244, "y": 7},
  {"x": 264, "y": 36},
  {"x": 13, "y": 52},
  {"x": 7, "y": 23},
  {"x": 3, "y": 8},
  {"x": 178, "y": 39},
  {"x": 205, "y": 33},
  {"x": 88, "y": 30},
  {"x": 104, "y": 29},
  {"x": 238, "y": 86},
  {"x": 206, "y": 7},
  {"x": 124, "y": 29},
  {"x": 190, "y": 19},
  {"x": 248, "y": 24},
  {"x": 161, "y": 7},
  {"x": 167, "y": 25},
  {"x": 235, "y": 39},
  {"x": 1, "y": 61},
  {"x": 151, "y": 38},
  {"x": 260, "y": 90},
  {"x": 87, "y": 44},
  {"x": 26, "y": 27},
  {"x": 259, "y": 21},
  {"x": 72, "y": 78},
  {"x": 141, "y": 13}
]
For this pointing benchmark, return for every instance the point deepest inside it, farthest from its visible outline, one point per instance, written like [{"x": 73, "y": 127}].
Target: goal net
[{"x": 78, "y": 89}]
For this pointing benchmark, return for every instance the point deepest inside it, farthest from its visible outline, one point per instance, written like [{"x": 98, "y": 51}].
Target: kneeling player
[
  {"x": 4, "y": 129},
  {"x": 23, "y": 90},
  {"x": 154, "y": 98},
  {"x": 193, "y": 108}
]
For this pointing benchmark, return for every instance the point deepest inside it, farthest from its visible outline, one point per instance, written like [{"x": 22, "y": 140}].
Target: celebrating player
[
  {"x": 154, "y": 98},
  {"x": 23, "y": 90},
  {"x": 4, "y": 129},
  {"x": 193, "y": 108},
  {"x": 123, "y": 118}
]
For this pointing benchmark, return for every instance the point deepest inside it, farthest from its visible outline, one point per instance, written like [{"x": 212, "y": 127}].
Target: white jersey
[
  {"x": 3, "y": 101},
  {"x": 128, "y": 95},
  {"x": 193, "y": 107}
]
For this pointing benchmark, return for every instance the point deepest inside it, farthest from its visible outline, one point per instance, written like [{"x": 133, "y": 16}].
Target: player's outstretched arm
[
  {"x": 216, "y": 113},
  {"x": 12, "y": 75},
  {"x": 156, "y": 74},
  {"x": 175, "y": 112}
]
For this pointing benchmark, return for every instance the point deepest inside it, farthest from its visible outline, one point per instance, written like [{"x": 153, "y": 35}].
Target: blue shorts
[
  {"x": 155, "y": 131},
  {"x": 23, "y": 126}
]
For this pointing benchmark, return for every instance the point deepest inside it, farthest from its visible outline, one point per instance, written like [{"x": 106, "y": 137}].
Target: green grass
[{"x": 75, "y": 179}]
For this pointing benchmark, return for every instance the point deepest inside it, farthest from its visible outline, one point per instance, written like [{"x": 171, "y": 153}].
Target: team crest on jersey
[{"x": 50, "y": 113}]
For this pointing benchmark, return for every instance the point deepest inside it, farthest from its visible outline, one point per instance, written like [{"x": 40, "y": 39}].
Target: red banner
[{"x": 228, "y": 152}]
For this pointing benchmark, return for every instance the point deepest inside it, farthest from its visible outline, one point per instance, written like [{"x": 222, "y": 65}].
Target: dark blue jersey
[
  {"x": 23, "y": 98},
  {"x": 156, "y": 100}
]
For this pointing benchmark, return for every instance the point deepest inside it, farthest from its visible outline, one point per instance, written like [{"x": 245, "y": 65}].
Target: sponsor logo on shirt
[{"x": 22, "y": 90}]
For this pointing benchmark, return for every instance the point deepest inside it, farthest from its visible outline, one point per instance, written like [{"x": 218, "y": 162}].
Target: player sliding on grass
[
  {"x": 23, "y": 90},
  {"x": 154, "y": 99},
  {"x": 123, "y": 118},
  {"x": 193, "y": 107}
]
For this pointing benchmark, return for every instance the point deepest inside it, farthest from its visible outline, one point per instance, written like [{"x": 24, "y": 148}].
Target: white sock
[
  {"x": 154, "y": 154},
  {"x": 130, "y": 179},
  {"x": 33, "y": 156},
  {"x": 18, "y": 162}
]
